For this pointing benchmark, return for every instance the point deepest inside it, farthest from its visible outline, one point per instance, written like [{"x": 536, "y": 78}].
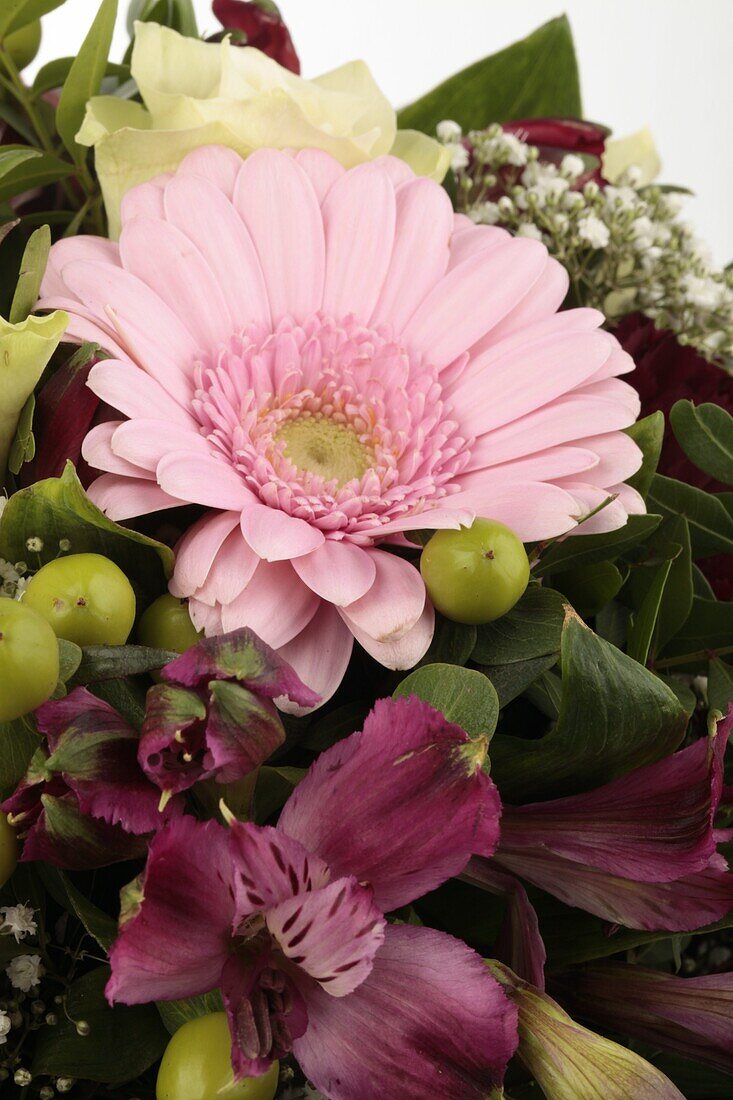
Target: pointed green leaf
[
  {"x": 587, "y": 549},
  {"x": 533, "y": 628},
  {"x": 648, "y": 434},
  {"x": 645, "y": 619},
  {"x": 32, "y": 270},
  {"x": 720, "y": 685},
  {"x": 15, "y": 14},
  {"x": 705, "y": 434},
  {"x": 711, "y": 524},
  {"x": 85, "y": 78}
]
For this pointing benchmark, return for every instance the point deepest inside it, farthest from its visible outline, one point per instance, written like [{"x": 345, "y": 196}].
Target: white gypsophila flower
[
  {"x": 572, "y": 166},
  {"x": 488, "y": 213},
  {"x": 514, "y": 150},
  {"x": 25, "y": 972},
  {"x": 702, "y": 293},
  {"x": 594, "y": 231},
  {"x": 5, "y": 1026},
  {"x": 459, "y": 157},
  {"x": 529, "y": 229},
  {"x": 449, "y": 131},
  {"x": 18, "y": 921}
]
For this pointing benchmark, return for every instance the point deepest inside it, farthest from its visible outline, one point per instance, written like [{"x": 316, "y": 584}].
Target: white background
[{"x": 663, "y": 63}]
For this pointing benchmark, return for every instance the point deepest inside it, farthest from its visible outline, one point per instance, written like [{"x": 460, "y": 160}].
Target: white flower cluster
[
  {"x": 25, "y": 972},
  {"x": 18, "y": 921},
  {"x": 624, "y": 246}
]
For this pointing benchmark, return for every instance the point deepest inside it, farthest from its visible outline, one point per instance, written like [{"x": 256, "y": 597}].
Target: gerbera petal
[
  {"x": 122, "y": 497},
  {"x": 134, "y": 393},
  {"x": 160, "y": 255},
  {"x": 394, "y": 602},
  {"x": 230, "y": 572},
  {"x": 201, "y": 211},
  {"x": 276, "y": 536},
  {"x": 69, "y": 249},
  {"x": 424, "y": 220},
  {"x": 175, "y": 942},
  {"x": 97, "y": 451},
  {"x": 214, "y": 163},
  {"x": 323, "y": 170},
  {"x": 402, "y": 652},
  {"x": 273, "y": 584},
  {"x": 472, "y": 298},
  {"x": 619, "y": 457},
  {"x": 533, "y": 509},
  {"x": 451, "y": 1028},
  {"x": 359, "y": 224},
  {"x": 320, "y": 655},
  {"x": 546, "y": 296},
  {"x": 332, "y": 933},
  {"x": 339, "y": 572},
  {"x": 197, "y": 550},
  {"x": 293, "y": 272},
  {"x": 479, "y": 238},
  {"x": 202, "y": 479},
  {"x": 147, "y": 441},
  {"x": 423, "y": 804},
  {"x": 145, "y": 200}
]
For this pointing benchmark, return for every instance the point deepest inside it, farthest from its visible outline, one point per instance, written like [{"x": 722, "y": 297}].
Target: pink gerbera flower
[{"x": 326, "y": 359}]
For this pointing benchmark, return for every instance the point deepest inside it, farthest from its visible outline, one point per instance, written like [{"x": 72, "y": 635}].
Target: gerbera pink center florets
[{"x": 332, "y": 422}]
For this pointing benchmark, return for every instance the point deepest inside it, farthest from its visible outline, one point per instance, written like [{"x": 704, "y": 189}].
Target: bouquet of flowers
[{"x": 365, "y": 618}]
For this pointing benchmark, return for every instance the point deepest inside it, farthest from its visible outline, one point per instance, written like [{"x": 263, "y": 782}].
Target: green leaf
[
  {"x": 709, "y": 626},
  {"x": 677, "y": 599},
  {"x": 85, "y": 78},
  {"x": 58, "y": 508},
  {"x": 178, "y": 14},
  {"x": 590, "y": 587},
  {"x": 32, "y": 269},
  {"x": 711, "y": 525},
  {"x": 720, "y": 685},
  {"x": 175, "y": 1014},
  {"x": 615, "y": 715},
  {"x": 31, "y": 172},
  {"x": 588, "y": 549},
  {"x": 122, "y": 1042},
  {"x": 110, "y": 662},
  {"x": 533, "y": 628},
  {"x": 13, "y": 156},
  {"x": 466, "y": 697},
  {"x": 69, "y": 661},
  {"x": 23, "y": 447},
  {"x": 274, "y": 788},
  {"x": 452, "y": 644},
  {"x": 536, "y": 77},
  {"x": 644, "y": 621},
  {"x": 97, "y": 923},
  {"x": 53, "y": 75},
  {"x": 18, "y": 741},
  {"x": 15, "y": 14},
  {"x": 512, "y": 680},
  {"x": 126, "y": 696},
  {"x": 648, "y": 434},
  {"x": 705, "y": 434}
]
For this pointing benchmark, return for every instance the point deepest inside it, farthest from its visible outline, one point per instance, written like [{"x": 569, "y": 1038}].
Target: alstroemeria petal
[
  {"x": 65, "y": 837},
  {"x": 519, "y": 943},
  {"x": 172, "y": 747},
  {"x": 332, "y": 933},
  {"x": 691, "y": 1016},
  {"x": 95, "y": 750},
  {"x": 429, "y": 1021},
  {"x": 569, "y": 1062},
  {"x": 402, "y": 805},
  {"x": 268, "y": 867},
  {"x": 177, "y": 941},
  {"x": 241, "y": 732},
  {"x": 653, "y": 824},
  {"x": 241, "y": 656}
]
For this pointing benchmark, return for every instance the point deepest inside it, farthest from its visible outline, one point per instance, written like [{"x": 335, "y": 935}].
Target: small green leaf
[
  {"x": 110, "y": 662},
  {"x": 590, "y": 587},
  {"x": 15, "y": 14},
  {"x": 533, "y": 628},
  {"x": 13, "y": 156},
  {"x": 644, "y": 621},
  {"x": 512, "y": 680},
  {"x": 615, "y": 715},
  {"x": 175, "y": 1014},
  {"x": 705, "y": 434},
  {"x": 708, "y": 627},
  {"x": 32, "y": 270},
  {"x": 97, "y": 923},
  {"x": 30, "y": 172},
  {"x": 53, "y": 75},
  {"x": 18, "y": 741},
  {"x": 587, "y": 549},
  {"x": 122, "y": 1042},
  {"x": 70, "y": 655},
  {"x": 711, "y": 524},
  {"x": 452, "y": 644},
  {"x": 85, "y": 78},
  {"x": 23, "y": 447},
  {"x": 648, "y": 434},
  {"x": 536, "y": 77},
  {"x": 720, "y": 685},
  {"x": 466, "y": 697}
]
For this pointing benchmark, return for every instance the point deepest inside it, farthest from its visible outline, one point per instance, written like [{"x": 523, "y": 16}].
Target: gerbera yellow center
[{"x": 322, "y": 446}]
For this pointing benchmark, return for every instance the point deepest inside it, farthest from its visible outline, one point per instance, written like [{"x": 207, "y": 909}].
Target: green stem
[{"x": 698, "y": 655}]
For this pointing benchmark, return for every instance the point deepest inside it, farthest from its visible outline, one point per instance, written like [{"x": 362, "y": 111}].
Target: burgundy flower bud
[
  {"x": 259, "y": 24},
  {"x": 554, "y": 137}
]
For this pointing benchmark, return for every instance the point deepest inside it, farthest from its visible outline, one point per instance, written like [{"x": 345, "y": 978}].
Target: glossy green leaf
[
  {"x": 536, "y": 77},
  {"x": 122, "y": 1042},
  {"x": 720, "y": 685},
  {"x": 648, "y": 434},
  {"x": 588, "y": 549},
  {"x": 58, "y": 508},
  {"x": 705, "y": 434},
  {"x": 466, "y": 697},
  {"x": 678, "y": 593},
  {"x": 711, "y": 524},
  {"x": 533, "y": 628},
  {"x": 644, "y": 620},
  {"x": 30, "y": 172},
  {"x": 32, "y": 270},
  {"x": 15, "y": 14},
  {"x": 590, "y": 587},
  {"x": 709, "y": 626},
  {"x": 13, "y": 156},
  {"x": 615, "y": 715},
  {"x": 85, "y": 78},
  {"x": 512, "y": 680}
]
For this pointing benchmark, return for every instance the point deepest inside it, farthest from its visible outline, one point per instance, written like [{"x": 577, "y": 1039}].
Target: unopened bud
[
  {"x": 82, "y": 1028},
  {"x": 22, "y": 1077}
]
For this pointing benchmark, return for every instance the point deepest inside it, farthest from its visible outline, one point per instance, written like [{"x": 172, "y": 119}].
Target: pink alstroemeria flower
[
  {"x": 326, "y": 359},
  {"x": 289, "y": 923}
]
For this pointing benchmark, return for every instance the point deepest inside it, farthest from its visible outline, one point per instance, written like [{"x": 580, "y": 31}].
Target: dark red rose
[
  {"x": 260, "y": 24},
  {"x": 667, "y": 372},
  {"x": 554, "y": 137},
  {"x": 66, "y": 409}
]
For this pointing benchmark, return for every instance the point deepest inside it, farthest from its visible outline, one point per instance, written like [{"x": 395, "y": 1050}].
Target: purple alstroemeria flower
[
  {"x": 640, "y": 851},
  {"x": 691, "y": 1016},
  {"x": 213, "y": 716},
  {"x": 84, "y": 801},
  {"x": 289, "y": 921}
]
